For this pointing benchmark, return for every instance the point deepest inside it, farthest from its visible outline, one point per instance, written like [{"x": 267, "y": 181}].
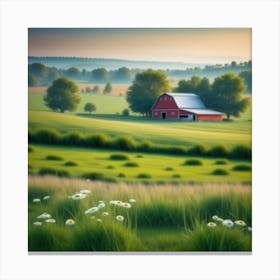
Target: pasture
[{"x": 78, "y": 215}]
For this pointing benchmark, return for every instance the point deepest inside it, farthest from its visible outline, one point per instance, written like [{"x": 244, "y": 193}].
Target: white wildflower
[
  {"x": 115, "y": 202},
  {"x": 119, "y": 218},
  {"x": 126, "y": 205},
  {"x": 36, "y": 200},
  {"x": 46, "y": 197},
  {"x": 240, "y": 223},
  {"x": 50, "y": 221},
  {"x": 99, "y": 220},
  {"x": 44, "y": 216},
  {"x": 37, "y": 224},
  {"x": 211, "y": 224},
  {"x": 104, "y": 214},
  {"x": 70, "y": 222},
  {"x": 91, "y": 210},
  {"x": 101, "y": 205},
  {"x": 215, "y": 218},
  {"x": 78, "y": 196},
  {"x": 249, "y": 228},
  {"x": 132, "y": 200},
  {"x": 220, "y": 220},
  {"x": 228, "y": 223},
  {"x": 85, "y": 191}
]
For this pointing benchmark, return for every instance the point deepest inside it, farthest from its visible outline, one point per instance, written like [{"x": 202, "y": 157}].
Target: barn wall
[
  {"x": 165, "y": 102},
  {"x": 209, "y": 117},
  {"x": 170, "y": 114}
]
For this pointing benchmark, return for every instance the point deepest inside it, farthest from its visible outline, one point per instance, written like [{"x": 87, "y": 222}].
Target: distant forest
[{"x": 40, "y": 74}]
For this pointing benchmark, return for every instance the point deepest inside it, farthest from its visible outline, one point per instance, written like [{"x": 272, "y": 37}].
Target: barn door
[{"x": 163, "y": 115}]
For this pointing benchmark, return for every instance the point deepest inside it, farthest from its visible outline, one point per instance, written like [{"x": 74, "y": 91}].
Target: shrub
[
  {"x": 110, "y": 167},
  {"x": 47, "y": 136},
  {"x": 125, "y": 143},
  {"x": 220, "y": 171},
  {"x": 53, "y": 157},
  {"x": 197, "y": 150},
  {"x": 70, "y": 163},
  {"x": 131, "y": 164},
  {"x": 98, "y": 140},
  {"x": 119, "y": 157},
  {"x": 121, "y": 175},
  {"x": 169, "y": 169},
  {"x": 176, "y": 176},
  {"x": 218, "y": 151},
  {"x": 94, "y": 176},
  {"x": 139, "y": 156},
  {"x": 220, "y": 162},
  {"x": 177, "y": 150},
  {"x": 144, "y": 176},
  {"x": 242, "y": 167},
  {"x": 241, "y": 152},
  {"x": 52, "y": 171},
  {"x": 73, "y": 139},
  {"x": 125, "y": 112},
  {"x": 193, "y": 162}
]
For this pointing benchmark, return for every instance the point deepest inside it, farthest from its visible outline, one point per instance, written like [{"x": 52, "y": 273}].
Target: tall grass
[{"x": 165, "y": 211}]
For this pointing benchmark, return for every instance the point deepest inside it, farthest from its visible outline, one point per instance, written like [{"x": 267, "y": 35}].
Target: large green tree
[
  {"x": 61, "y": 95},
  {"x": 145, "y": 89},
  {"x": 227, "y": 96}
]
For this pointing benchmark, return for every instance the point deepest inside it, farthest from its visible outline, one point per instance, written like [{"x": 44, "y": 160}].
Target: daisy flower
[
  {"x": 215, "y": 218},
  {"x": 91, "y": 210},
  {"x": 37, "y": 224},
  {"x": 228, "y": 223},
  {"x": 132, "y": 200},
  {"x": 240, "y": 223},
  {"x": 44, "y": 216},
  {"x": 70, "y": 222},
  {"x": 211, "y": 224},
  {"x": 36, "y": 200},
  {"x": 78, "y": 196},
  {"x": 46, "y": 197},
  {"x": 85, "y": 191},
  {"x": 50, "y": 221},
  {"x": 119, "y": 218}
]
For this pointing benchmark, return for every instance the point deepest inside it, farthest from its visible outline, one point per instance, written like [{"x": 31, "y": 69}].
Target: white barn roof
[{"x": 192, "y": 103}]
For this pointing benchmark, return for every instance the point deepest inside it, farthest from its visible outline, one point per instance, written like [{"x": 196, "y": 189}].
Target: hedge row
[{"x": 125, "y": 143}]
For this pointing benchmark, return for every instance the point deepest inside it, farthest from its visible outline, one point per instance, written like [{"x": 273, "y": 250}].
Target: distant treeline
[
  {"x": 41, "y": 75},
  {"x": 126, "y": 143}
]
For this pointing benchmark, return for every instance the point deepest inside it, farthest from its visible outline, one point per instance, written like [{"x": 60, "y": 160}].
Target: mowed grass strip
[{"x": 159, "y": 167}]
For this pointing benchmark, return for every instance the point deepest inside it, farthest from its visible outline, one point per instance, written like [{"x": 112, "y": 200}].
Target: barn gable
[{"x": 187, "y": 106}]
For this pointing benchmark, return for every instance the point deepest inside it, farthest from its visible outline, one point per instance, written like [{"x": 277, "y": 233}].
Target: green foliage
[
  {"x": 53, "y": 171},
  {"x": 61, "y": 95},
  {"x": 119, "y": 157},
  {"x": 146, "y": 87},
  {"x": 125, "y": 143},
  {"x": 227, "y": 93},
  {"x": 30, "y": 149},
  {"x": 197, "y": 150},
  {"x": 242, "y": 167},
  {"x": 100, "y": 75},
  {"x": 46, "y": 136},
  {"x": 71, "y": 163},
  {"x": 220, "y": 171},
  {"x": 221, "y": 162},
  {"x": 125, "y": 112},
  {"x": 131, "y": 164},
  {"x": 98, "y": 140},
  {"x": 32, "y": 81},
  {"x": 241, "y": 152},
  {"x": 193, "y": 162},
  {"x": 89, "y": 107},
  {"x": 73, "y": 139},
  {"x": 53, "y": 157},
  {"x": 107, "y": 89},
  {"x": 247, "y": 77},
  {"x": 218, "y": 151}
]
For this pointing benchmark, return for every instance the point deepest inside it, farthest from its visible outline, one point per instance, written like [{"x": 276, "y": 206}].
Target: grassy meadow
[{"x": 100, "y": 199}]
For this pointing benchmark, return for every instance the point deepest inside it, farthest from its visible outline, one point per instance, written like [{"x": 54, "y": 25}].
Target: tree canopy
[
  {"x": 61, "y": 95},
  {"x": 89, "y": 107},
  {"x": 145, "y": 89}
]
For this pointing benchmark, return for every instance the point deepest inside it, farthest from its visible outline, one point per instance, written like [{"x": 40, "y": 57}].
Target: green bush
[
  {"x": 176, "y": 176},
  {"x": 169, "y": 168},
  {"x": 47, "y": 136},
  {"x": 144, "y": 176},
  {"x": 242, "y": 167},
  {"x": 131, "y": 164},
  {"x": 220, "y": 171},
  {"x": 193, "y": 162},
  {"x": 197, "y": 150},
  {"x": 221, "y": 162},
  {"x": 176, "y": 150},
  {"x": 125, "y": 112},
  {"x": 73, "y": 139},
  {"x": 125, "y": 143},
  {"x": 70, "y": 163},
  {"x": 97, "y": 176},
  {"x": 121, "y": 175},
  {"x": 218, "y": 151},
  {"x": 52, "y": 171},
  {"x": 119, "y": 157},
  {"x": 53, "y": 157},
  {"x": 98, "y": 140},
  {"x": 145, "y": 146},
  {"x": 241, "y": 152},
  {"x": 30, "y": 149},
  {"x": 110, "y": 167}
]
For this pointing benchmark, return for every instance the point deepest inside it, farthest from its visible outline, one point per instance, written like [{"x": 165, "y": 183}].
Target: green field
[
  {"x": 158, "y": 168},
  {"x": 237, "y": 132},
  {"x": 158, "y": 219}
]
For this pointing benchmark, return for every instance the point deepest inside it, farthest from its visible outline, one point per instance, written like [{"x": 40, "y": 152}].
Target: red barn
[{"x": 185, "y": 106}]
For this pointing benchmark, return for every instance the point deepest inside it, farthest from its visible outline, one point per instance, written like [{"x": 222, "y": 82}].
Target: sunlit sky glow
[{"x": 191, "y": 45}]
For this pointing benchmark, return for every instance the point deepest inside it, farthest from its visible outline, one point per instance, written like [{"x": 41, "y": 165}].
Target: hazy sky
[{"x": 200, "y": 45}]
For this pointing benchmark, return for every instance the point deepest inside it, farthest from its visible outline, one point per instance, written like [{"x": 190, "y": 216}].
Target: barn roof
[
  {"x": 187, "y": 100},
  {"x": 204, "y": 112}
]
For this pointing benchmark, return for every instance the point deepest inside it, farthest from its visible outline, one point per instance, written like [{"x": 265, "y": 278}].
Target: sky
[{"x": 190, "y": 45}]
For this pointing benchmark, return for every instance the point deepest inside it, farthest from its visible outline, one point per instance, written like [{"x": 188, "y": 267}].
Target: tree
[
  {"x": 227, "y": 93},
  {"x": 73, "y": 73},
  {"x": 188, "y": 86},
  {"x": 61, "y": 95},
  {"x": 145, "y": 89},
  {"x": 96, "y": 89},
  {"x": 100, "y": 75},
  {"x": 107, "y": 88},
  {"x": 247, "y": 76},
  {"x": 89, "y": 107},
  {"x": 125, "y": 112},
  {"x": 123, "y": 74},
  {"x": 32, "y": 81}
]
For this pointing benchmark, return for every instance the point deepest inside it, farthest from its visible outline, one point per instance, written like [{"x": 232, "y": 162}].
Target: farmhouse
[{"x": 185, "y": 106}]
